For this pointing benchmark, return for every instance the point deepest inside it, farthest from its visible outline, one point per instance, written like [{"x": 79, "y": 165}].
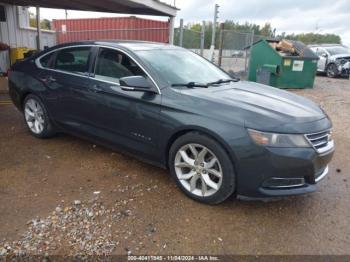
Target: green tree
[
  {"x": 312, "y": 38},
  {"x": 44, "y": 23},
  {"x": 267, "y": 30}
]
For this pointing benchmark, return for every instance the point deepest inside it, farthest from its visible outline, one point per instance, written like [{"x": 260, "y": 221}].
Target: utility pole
[
  {"x": 221, "y": 43},
  {"x": 202, "y": 38},
  {"x": 216, "y": 16},
  {"x": 212, "y": 46}
]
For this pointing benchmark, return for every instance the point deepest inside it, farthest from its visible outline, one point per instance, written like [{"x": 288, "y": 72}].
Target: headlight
[
  {"x": 278, "y": 140},
  {"x": 341, "y": 61}
]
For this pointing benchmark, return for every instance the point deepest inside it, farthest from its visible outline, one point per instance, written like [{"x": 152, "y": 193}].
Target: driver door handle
[
  {"x": 96, "y": 89},
  {"x": 48, "y": 79}
]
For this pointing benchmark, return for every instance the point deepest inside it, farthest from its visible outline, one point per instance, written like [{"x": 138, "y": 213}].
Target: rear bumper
[
  {"x": 15, "y": 95},
  {"x": 280, "y": 172}
]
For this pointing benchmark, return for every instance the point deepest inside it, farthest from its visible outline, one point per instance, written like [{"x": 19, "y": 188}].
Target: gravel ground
[{"x": 67, "y": 196}]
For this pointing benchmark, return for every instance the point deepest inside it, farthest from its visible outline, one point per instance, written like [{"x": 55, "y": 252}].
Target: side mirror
[
  {"x": 135, "y": 83},
  {"x": 232, "y": 74},
  {"x": 324, "y": 55}
]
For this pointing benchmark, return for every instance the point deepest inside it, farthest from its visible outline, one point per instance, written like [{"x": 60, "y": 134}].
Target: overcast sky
[{"x": 319, "y": 16}]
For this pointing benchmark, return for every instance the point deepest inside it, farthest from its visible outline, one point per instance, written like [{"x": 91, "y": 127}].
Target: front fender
[{"x": 233, "y": 138}]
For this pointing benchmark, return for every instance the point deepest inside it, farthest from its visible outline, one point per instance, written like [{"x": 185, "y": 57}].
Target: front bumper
[
  {"x": 279, "y": 172},
  {"x": 344, "y": 69}
]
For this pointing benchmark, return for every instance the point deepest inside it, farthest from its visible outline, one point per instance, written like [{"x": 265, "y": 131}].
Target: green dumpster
[{"x": 294, "y": 66}]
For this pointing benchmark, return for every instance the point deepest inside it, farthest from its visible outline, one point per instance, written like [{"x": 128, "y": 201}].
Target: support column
[
  {"x": 171, "y": 29},
  {"x": 38, "y": 37}
]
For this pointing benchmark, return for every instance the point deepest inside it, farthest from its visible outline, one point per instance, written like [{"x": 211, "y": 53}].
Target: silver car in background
[{"x": 334, "y": 59}]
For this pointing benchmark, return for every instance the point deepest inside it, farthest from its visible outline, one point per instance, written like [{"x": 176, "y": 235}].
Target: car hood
[
  {"x": 345, "y": 55},
  {"x": 260, "y": 107}
]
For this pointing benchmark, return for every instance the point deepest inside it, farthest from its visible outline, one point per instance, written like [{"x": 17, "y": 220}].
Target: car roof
[
  {"x": 127, "y": 44},
  {"x": 325, "y": 45}
]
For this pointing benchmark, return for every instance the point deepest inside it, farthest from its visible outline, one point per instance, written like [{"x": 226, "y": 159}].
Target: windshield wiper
[
  {"x": 222, "y": 81},
  {"x": 192, "y": 84}
]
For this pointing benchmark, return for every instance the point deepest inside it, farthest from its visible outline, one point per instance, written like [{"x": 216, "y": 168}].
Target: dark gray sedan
[{"x": 217, "y": 135}]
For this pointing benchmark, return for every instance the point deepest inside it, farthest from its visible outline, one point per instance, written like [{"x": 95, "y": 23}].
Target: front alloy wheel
[
  {"x": 202, "y": 168},
  {"x": 198, "y": 170}
]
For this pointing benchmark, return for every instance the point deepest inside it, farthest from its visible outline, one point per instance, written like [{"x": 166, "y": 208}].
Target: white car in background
[{"x": 334, "y": 59}]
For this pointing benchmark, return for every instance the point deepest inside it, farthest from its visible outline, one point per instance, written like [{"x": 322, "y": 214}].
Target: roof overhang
[{"x": 140, "y": 7}]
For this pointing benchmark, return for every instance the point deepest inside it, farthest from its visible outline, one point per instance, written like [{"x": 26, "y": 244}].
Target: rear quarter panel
[{"x": 23, "y": 79}]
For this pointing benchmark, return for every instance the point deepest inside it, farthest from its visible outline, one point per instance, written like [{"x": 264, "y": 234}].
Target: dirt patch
[{"x": 146, "y": 213}]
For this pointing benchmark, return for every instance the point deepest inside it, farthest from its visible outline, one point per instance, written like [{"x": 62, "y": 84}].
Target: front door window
[{"x": 111, "y": 65}]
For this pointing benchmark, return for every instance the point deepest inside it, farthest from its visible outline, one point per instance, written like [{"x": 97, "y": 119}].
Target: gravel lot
[{"x": 67, "y": 196}]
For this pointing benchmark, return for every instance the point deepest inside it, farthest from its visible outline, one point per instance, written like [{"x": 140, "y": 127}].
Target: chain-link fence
[
  {"x": 189, "y": 38},
  {"x": 232, "y": 47},
  {"x": 234, "y": 51}
]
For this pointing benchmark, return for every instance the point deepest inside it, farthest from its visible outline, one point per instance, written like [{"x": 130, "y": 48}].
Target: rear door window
[
  {"x": 111, "y": 65},
  {"x": 46, "y": 61},
  {"x": 74, "y": 60}
]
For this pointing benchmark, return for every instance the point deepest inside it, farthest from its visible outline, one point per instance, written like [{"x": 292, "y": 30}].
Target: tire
[
  {"x": 189, "y": 174},
  {"x": 332, "y": 71},
  {"x": 37, "y": 118}
]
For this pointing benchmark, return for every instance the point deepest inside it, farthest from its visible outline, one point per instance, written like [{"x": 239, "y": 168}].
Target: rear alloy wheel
[
  {"x": 37, "y": 118},
  {"x": 332, "y": 71},
  {"x": 202, "y": 168}
]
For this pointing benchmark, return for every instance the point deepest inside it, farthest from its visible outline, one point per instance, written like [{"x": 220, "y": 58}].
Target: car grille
[{"x": 319, "y": 140}]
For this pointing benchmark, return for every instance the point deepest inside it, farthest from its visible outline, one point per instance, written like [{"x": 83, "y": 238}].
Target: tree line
[
  {"x": 44, "y": 23},
  {"x": 191, "y": 38}
]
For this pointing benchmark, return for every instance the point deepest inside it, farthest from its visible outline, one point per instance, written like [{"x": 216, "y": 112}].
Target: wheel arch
[
  {"x": 204, "y": 131},
  {"x": 331, "y": 64},
  {"x": 23, "y": 97}
]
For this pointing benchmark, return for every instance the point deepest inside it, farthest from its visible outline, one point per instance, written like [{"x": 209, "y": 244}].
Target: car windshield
[
  {"x": 337, "y": 50},
  {"x": 180, "y": 66}
]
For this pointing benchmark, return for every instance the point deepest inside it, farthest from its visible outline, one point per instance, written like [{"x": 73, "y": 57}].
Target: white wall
[
  {"x": 16, "y": 32},
  {"x": 23, "y": 17},
  {"x": 4, "y": 61}
]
